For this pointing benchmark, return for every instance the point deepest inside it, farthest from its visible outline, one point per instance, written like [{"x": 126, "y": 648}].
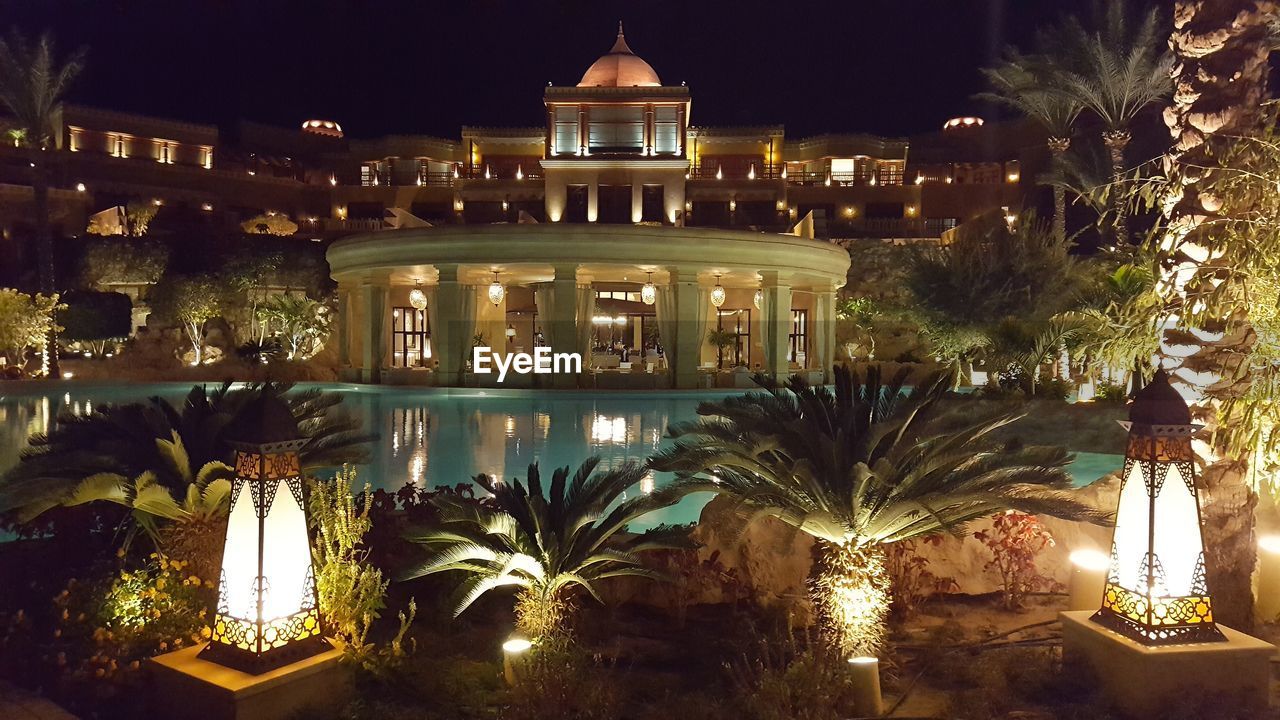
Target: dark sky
[{"x": 892, "y": 67}]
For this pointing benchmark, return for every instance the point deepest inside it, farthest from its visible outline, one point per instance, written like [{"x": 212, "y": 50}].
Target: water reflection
[{"x": 435, "y": 439}]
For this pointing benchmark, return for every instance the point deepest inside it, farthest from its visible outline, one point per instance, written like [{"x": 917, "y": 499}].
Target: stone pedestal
[
  {"x": 186, "y": 687},
  {"x": 1142, "y": 680}
]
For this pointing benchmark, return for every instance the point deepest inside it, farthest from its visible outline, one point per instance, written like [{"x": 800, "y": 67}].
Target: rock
[{"x": 772, "y": 560}]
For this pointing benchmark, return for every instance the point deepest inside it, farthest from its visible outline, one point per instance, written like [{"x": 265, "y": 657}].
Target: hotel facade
[{"x": 618, "y": 229}]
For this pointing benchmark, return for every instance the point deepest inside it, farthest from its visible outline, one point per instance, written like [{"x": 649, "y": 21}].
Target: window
[
  {"x": 368, "y": 174},
  {"x": 889, "y": 172},
  {"x": 117, "y": 146},
  {"x": 616, "y": 129},
  {"x": 565, "y": 138},
  {"x": 206, "y": 157},
  {"x": 618, "y": 295},
  {"x": 799, "y": 346},
  {"x": 666, "y": 130},
  {"x": 165, "y": 155},
  {"x": 409, "y": 335},
  {"x": 739, "y": 323}
]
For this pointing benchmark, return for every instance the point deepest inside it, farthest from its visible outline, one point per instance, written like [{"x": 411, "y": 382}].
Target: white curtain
[
  {"x": 701, "y": 323},
  {"x": 824, "y": 335},
  {"x": 465, "y": 323},
  {"x": 768, "y": 328},
  {"x": 665, "y": 309},
  {"x": 544, "y": 300},
  {"x": 433, "y": 322},
  {"x": 585, "y": 313}
]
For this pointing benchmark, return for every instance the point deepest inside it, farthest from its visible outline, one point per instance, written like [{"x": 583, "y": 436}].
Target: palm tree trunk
[
  {"x": 1057, "y": 148},
  {"x": 1116, "y": 141},
  {"x": 850, "y": 593},
  {"x": 1221, "y": 49},
  {"x": 44, "y": 247}
]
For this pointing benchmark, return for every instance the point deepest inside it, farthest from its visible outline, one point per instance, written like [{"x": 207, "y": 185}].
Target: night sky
[{"x": 892, "y": 67}]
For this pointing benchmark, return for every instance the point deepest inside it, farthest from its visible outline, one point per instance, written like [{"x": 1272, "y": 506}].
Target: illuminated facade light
[
  {"x": 487, "y": 174},
  {"x": 717, "y": 293},
  {"x": 649, "y": 293},
  {"x": 784, "y": 172},
  {"x": 751, "y": 172},
  {"x": 519, "y": 172},
  {"x": 496, "y": 291},
  {"x": 758, "y": 299},
  {"x": 1013, "y": 177},
  {"x": 418, "y": 298},
  {"x": 80, "y": 187},
  {"x": 207, "y": 207},
  {"x": 919, "y": 179},
  {"x": 268, "y": 614},
  {"x": 963, "y": 122},
  {"x": 1156, "y": 592},
  {"x": 733, "y": 205},
  {"x": 719, "y": 172}
]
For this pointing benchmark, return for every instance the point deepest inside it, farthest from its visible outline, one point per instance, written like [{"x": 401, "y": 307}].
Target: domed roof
[
  {"x": 1159, "y": 404},
  {"x": 620, "y": 68}
]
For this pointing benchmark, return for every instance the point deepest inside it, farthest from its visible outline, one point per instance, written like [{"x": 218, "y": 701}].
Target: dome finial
[{"x": 619, "y": 28}]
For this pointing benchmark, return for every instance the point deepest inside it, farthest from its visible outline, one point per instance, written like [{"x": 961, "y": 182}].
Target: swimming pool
[{"x": 440, "y": 437}]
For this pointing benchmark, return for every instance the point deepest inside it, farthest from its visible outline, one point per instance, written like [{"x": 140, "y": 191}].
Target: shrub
[
  {"x": 352, "y": 591},
  {"x": 1015, "y": 540},
  {"x": 1111, "y": 392},
  {"x": 911, "y": 581},
  {"x": 96, "y": 317}
]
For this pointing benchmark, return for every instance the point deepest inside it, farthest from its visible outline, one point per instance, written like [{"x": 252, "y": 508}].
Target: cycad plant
[
  {"x": 544, "y": 541},
  {"x": 857, "y": 468},
  {"x": 135, "y": 452}
]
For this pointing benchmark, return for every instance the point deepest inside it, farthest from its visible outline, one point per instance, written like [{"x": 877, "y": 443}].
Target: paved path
[{"x": 17, "y": 704}]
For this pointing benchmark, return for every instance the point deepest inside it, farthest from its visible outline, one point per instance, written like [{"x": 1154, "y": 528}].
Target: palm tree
[
  {"x": 1081, "y": 171},
  {"x": 856, "y": 469},
  {"x": 32, "y": 86},
  {"x": 1019, "y": 83},
  {"x": 1221, "y": 49},
  {"x": 545, "y": 545},
  {"x": 118, "y": 450},
  {"x": 1114, "y": 69}
]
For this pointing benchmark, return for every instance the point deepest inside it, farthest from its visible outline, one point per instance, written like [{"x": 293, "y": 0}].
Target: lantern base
[
  {"x": 1143, "y": 680},
  {"x": 192, "y": 688},
  {"x": 255, "y": 663}
]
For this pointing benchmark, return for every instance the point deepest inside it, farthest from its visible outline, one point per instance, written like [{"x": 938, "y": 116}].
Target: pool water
[{"x": 433, "y": 437}]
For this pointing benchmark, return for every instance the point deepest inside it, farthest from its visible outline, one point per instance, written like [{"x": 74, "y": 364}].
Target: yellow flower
[
  {"x": 160, "y": 583},
  {"x": 205, "y": 633}
]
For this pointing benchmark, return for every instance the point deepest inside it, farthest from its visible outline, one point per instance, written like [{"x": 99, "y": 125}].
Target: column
[
  {"x": 373, "y": 351},
  {"x": 687, "y": 353},
  {"x": 556, "y": 196},
  {"x": 637, "y": 200},
  {"x": 593, "y": 199},
  {"x": 673, "y": 198},
  {"x": 776, "y": 323},
  {"x": 564, "y": 307},
  {"x": 446, "y": 347},
  {"x": 823, "y": 328},
  {"x": 344, "y": 326}
]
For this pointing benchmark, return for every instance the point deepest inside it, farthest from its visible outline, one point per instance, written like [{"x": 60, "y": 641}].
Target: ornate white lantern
[
  {"x": 1156, "y": 592},
  {"x": 418, "y": 298},
  {"x": 268, "y": 614},
  {"x": 649, "y": 293},
  {"x": 717, "y": 293},
  {"x": 758, "y": 298},
  {"x": 496, "y": 291}
]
